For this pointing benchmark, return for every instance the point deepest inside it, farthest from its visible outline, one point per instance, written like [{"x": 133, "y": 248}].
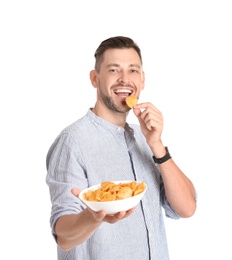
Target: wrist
[
  {"x": 158, "y": 149},
  {"x": 163, "y": 158}
]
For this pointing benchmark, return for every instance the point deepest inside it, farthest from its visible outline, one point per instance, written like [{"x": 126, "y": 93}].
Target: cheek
[
  {"x": 140, "y": 83},
  {"x": 106, "y": 82},
  {"x": 142, "y": 86}
]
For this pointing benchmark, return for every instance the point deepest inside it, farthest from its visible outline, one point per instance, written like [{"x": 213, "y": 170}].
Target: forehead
[{"x": 121, "y": 57}]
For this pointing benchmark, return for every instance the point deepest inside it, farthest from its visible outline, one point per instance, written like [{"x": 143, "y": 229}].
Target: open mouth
[{"x": 123, "y": 92}]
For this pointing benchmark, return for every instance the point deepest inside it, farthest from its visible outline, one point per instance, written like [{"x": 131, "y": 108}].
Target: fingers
[
  {"x": 98, "y": 216},
  {"x": 118, "y": 216},
  {"x": 75, "y": 192},
  {"x": 149, "y": 115},
  {"x": 111, "y": 218}
]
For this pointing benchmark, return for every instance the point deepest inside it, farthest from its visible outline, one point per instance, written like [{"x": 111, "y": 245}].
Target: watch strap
[{"x": 163, "y": 159}]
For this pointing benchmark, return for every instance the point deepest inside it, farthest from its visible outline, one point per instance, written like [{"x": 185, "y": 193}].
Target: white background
[{"x": 46, "y": 53}]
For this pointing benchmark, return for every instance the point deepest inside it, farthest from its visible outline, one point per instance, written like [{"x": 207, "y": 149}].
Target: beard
[{"x": 109, "y": 103}]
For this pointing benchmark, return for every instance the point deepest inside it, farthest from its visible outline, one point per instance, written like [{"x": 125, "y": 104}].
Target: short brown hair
[{"x": 118, "y": 42}]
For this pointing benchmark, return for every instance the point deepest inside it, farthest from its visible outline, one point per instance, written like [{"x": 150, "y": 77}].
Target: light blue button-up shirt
[{"x": 91, "y": 151}]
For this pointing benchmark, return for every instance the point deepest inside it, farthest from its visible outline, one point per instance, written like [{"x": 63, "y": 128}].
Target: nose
[{"x": 124, "y": 78}]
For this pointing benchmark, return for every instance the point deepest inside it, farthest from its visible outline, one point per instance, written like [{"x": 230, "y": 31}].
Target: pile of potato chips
[{"x": 109, "y": 191}]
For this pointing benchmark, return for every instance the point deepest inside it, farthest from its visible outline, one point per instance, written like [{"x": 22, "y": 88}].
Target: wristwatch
[{"x": 163, "y": 159}]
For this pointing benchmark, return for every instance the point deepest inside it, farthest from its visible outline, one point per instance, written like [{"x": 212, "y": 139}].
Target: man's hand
[
  {"x": 102, "y": 216},
  {"x": 151, "y": 122}
]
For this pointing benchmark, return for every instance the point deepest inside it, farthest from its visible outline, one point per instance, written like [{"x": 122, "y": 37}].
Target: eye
[
  {"x": 134, "y": 71},
  {"x": 113, "y": 70}
]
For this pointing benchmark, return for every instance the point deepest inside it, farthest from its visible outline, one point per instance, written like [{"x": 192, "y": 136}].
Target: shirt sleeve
[
  {"x": 169, "y": 211},
  {"x": 64, "y": 172}
]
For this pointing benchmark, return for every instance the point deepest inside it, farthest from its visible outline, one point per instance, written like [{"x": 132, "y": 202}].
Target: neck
[{"x": 111, "y": 116}]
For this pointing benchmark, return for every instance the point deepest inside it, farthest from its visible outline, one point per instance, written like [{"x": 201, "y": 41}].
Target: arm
[
  {"x": 179, "y": 189},
  {"x": 72, "y": 230},
  {"x": 75, "y": 225}
]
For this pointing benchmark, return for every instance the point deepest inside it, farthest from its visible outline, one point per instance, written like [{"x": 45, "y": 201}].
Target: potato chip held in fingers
[{"x": 131, "y": 101}]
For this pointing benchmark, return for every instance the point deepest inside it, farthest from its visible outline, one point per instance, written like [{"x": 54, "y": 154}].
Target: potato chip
[
  {"x": 109, "y": 191},
  {"x": 137, "y": 191},
  {"x": 131, "y": 101},
  {"x": 108, "y": 196},
  {"x": 124, "y": 192}
]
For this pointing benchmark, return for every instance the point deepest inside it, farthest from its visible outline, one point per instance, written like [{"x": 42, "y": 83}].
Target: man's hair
[{"x": 118, "y": 42}]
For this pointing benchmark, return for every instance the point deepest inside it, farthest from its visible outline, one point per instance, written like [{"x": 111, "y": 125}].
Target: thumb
[
  {"x": 137, "y": 111},
  {"x": 75, "y": 192}
]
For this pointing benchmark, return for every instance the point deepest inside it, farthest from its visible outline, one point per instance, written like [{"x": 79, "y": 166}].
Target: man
[{"x": 102, "y": 146}]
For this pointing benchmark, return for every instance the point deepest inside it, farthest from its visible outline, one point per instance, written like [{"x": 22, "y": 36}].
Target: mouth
[{"x": 123, "y": 92}]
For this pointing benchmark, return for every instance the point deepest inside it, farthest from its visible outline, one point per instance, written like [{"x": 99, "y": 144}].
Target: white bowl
[{"x": 112, "y": 207}]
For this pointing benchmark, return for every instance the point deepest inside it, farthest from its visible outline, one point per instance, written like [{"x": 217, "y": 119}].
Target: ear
[{"x": 93, "y": 78}]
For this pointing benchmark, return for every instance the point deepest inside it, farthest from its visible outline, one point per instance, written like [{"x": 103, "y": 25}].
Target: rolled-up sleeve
[{"x": 64, "y": 172}]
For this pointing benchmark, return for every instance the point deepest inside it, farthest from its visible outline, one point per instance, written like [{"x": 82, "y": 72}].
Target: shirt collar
[{"x": 106, "y": 124}]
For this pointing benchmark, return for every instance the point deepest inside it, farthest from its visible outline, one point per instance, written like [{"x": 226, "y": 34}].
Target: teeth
[{"x": 123, "y": 91}]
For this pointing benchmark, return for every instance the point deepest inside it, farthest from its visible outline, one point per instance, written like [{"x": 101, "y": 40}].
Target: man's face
[{"x": 120, "y": 75}]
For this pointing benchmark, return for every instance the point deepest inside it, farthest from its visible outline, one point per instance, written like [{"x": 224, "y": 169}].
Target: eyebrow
[{"x": 117, "y": 65}]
